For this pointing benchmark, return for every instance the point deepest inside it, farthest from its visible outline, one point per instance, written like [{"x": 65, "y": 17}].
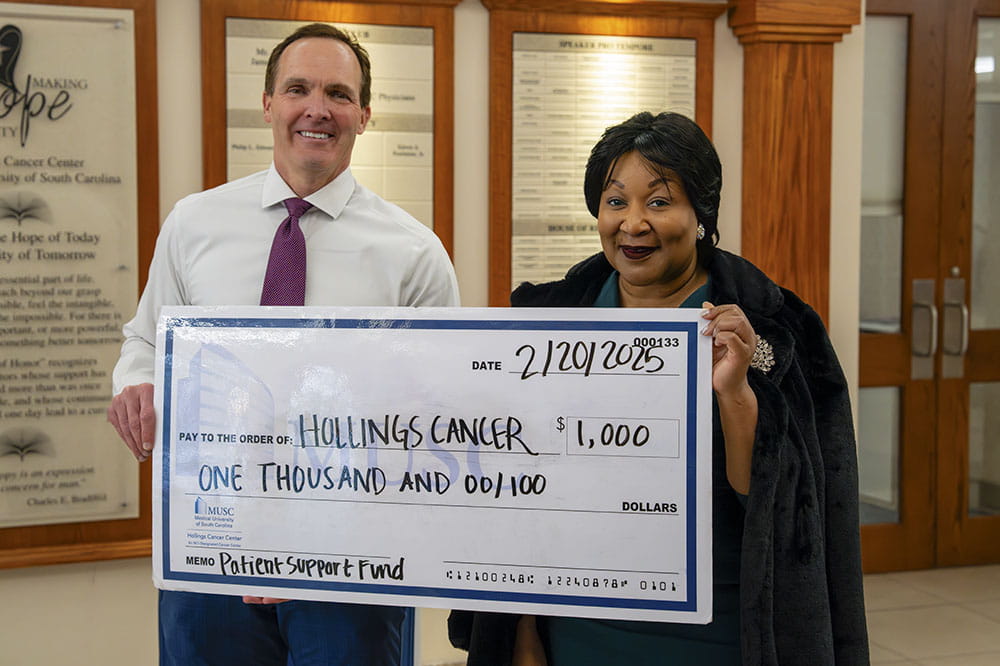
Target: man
[{"x": 219, "y": 247}]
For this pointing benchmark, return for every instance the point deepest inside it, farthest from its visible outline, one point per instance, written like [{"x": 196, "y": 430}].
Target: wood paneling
[
  {"x": 984, "y": 351},
  {"x": 885, "y": 359},
  {"x": 109, "y": 539},
  {"x": 794, "y": 20},
  {"x": 436, "y": 14},
  {"x": 787, "y": 117},
  {"x": 787, "y": 120}
]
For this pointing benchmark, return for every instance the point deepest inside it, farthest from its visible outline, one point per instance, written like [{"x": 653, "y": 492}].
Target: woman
[{"x": 786, "y": 548}]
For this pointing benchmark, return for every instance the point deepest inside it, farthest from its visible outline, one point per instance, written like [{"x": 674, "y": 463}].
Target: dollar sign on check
[{"x": 560, "y": 424}]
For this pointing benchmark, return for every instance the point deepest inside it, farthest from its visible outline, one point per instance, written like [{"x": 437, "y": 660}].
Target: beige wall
[{"x": 104, "y": 614}]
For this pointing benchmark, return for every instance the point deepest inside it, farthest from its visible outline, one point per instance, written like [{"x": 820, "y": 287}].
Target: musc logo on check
[{"x": 203, "y": 508}]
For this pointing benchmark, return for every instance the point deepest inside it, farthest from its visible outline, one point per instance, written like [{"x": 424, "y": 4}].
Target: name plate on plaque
[{"x": 551, "y": 461}]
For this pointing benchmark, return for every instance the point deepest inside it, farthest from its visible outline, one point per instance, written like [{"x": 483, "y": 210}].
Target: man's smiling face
[{"x": 315, "y": 112}]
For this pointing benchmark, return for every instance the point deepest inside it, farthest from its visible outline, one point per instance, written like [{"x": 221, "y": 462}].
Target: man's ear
[
  {"x": 366, "y": 115},
  {"x": 266, "y": 101}
]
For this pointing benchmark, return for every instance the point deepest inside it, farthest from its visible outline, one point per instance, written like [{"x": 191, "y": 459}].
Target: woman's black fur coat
[{"x": 801, "y": 599}]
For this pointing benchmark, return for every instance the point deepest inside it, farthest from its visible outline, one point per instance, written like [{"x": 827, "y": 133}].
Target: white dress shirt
[{"x": 213, "y": 250}]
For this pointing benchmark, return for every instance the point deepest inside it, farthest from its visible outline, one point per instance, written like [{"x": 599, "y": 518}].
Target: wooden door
[
  {"x": 930, "y": 371},
  {"x": 900, "y": 217},
  {"x": 968, "y": 429}
]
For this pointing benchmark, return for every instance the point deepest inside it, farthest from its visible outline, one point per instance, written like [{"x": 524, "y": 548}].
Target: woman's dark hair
[{"x": 666, "y": 141}]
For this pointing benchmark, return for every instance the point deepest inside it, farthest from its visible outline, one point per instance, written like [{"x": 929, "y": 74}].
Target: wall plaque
[{"x": 68, "y": 259}]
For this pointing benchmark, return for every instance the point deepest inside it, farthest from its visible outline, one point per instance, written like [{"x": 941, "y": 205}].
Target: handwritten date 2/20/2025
[{"x": 641, "y": 355}]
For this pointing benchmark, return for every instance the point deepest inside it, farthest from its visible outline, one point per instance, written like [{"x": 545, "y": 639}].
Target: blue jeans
[{"x": 216, "y": 630}]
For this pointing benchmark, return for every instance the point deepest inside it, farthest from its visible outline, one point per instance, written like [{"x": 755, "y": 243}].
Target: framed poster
[
  {"x": 560, "y": 74},
  {"x": 405, "y": 154},
  {"x": 77, "y": 222}
]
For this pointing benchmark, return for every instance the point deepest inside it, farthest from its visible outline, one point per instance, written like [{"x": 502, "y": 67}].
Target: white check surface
[{"x": 553, "y": 461}]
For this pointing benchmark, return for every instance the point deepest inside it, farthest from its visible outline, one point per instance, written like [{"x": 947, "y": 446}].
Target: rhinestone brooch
[{"x": 763, "y": 355}]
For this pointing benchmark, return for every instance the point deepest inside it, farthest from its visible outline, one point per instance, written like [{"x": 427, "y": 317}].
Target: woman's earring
[{"x": 701, "y": 231}]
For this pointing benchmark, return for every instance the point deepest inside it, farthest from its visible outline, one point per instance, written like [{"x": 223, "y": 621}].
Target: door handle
[
  {"x": 954, "y": 329},
  {"x": 923, "y": 330},
  {"x": 956, "y": 318},
  {"x": 923, "y": 343}
]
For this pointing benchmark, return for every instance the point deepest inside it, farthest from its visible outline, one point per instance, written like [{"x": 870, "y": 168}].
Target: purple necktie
[{"x": 285, "y": 280}]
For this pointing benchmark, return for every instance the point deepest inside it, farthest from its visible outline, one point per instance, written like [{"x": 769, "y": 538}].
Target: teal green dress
[{"x": 585, "y": 642}]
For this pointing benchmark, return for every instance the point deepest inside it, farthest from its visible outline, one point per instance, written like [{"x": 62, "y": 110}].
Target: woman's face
[{"x": 648, "y": 228}]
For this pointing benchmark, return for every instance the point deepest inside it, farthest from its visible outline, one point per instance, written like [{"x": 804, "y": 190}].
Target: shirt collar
[{"x": 331, "y": 198}]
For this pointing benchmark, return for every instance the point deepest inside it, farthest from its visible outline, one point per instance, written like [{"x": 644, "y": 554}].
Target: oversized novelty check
[{"x": 552, "y": 461}]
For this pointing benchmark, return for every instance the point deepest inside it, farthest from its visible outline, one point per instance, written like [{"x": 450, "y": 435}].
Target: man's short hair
[{"x": 327, "y": 31}]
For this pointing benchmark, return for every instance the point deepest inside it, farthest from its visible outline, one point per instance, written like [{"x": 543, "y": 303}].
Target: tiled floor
[{"x": 939, "y": 617}]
